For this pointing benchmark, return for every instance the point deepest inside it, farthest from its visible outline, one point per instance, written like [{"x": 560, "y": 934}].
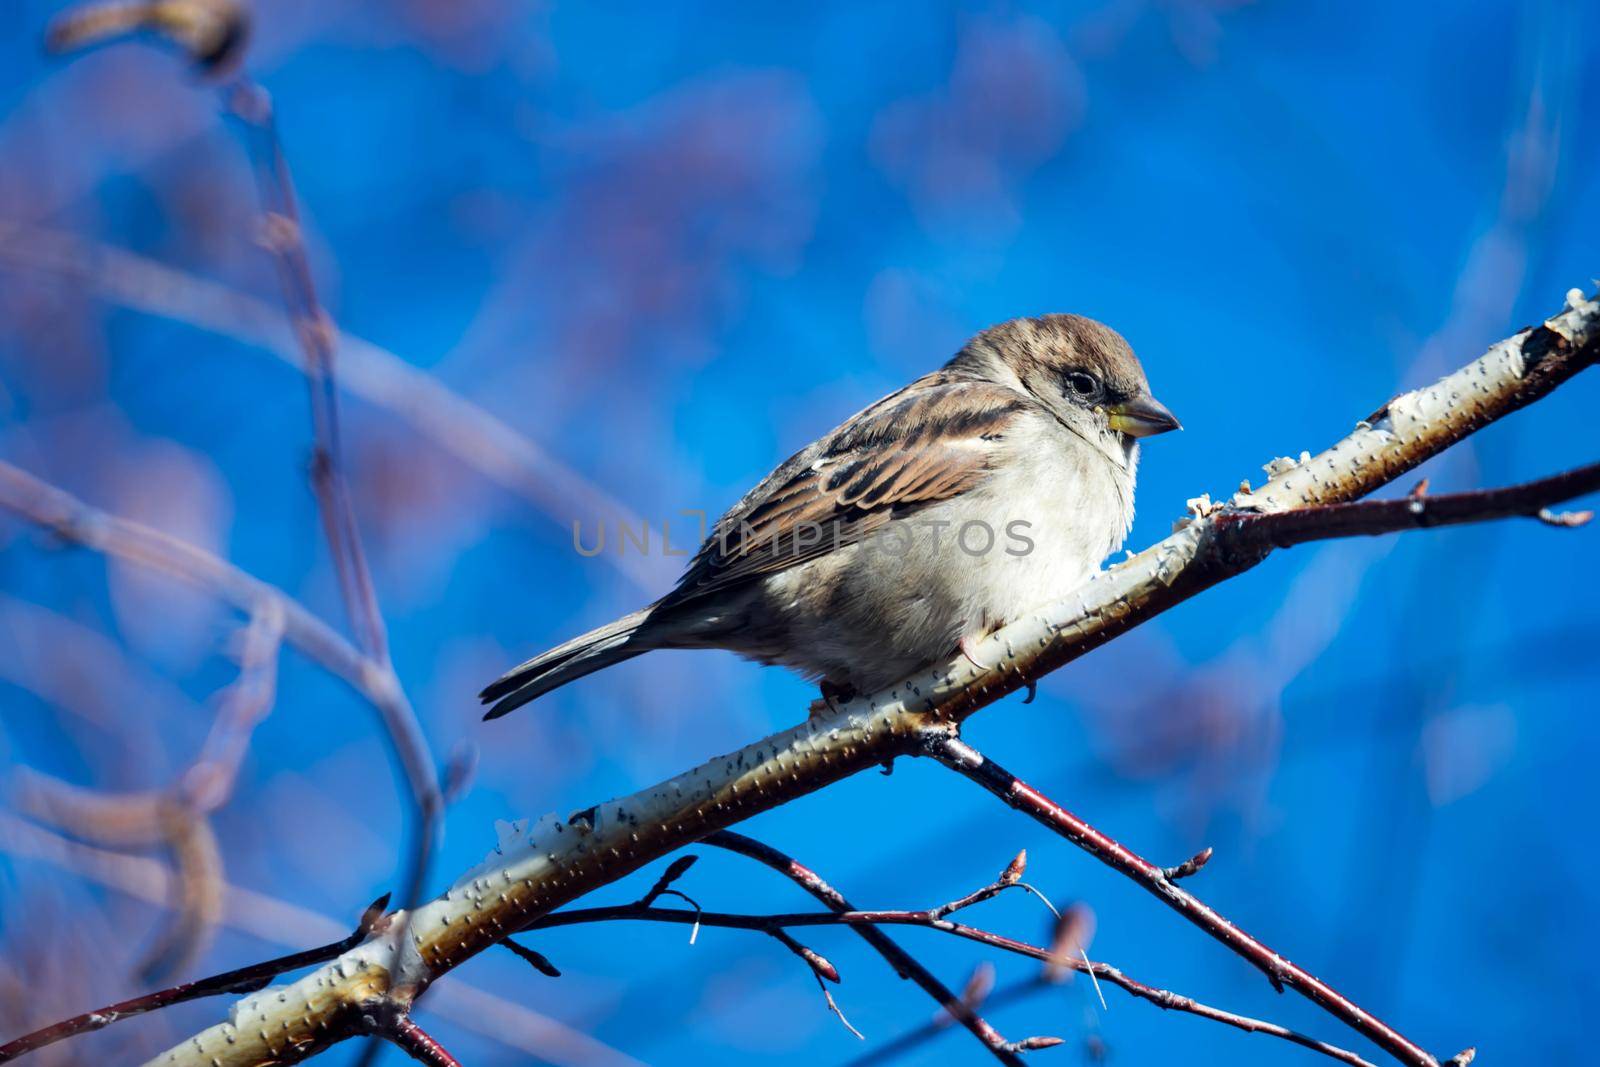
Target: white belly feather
[{"x": 1038, "y": 528}]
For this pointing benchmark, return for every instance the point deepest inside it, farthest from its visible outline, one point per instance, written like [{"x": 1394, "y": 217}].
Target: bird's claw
[{"x": 824, "y": 705}]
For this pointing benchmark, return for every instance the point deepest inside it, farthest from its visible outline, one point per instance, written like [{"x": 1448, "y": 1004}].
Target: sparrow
[{"x": 992, "y": 486}]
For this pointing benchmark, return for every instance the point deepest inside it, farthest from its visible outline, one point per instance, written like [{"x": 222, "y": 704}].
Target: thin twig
[
  {"x": 967, "y": 761},
  {"x": 1281, "y": 529},
  {"x": 1069, "y": 936},
  {"x": 675, "y": 870},
  {"x": 412, "y": 1039},
  {"x": 939, "y": 1025},
  {"x": 1189, "y": 867},
  {"x": 822, "y": 970},
  {"x": 1103, "y": 972},
  {"x": 905, "y": 965},
  {"x": 537, "y": 960}
]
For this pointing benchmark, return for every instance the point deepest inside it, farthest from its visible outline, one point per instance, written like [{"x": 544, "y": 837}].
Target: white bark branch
[{"x": 559, "y": 860}]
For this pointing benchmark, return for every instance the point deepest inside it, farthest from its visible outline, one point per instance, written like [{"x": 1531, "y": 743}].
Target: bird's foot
[
  {"x": 831, "y": 691},
  {"x": 965, "y": 647}
]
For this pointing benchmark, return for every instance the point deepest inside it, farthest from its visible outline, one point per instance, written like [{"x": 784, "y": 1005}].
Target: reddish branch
[
  {"x": 1281, "y": 529},
  {"x": 967, "y": 761},
  {"x": 415, "y": 1042},
  {"x": 244, "y": 980}
]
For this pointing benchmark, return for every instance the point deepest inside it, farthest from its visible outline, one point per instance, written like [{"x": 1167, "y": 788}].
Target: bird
[{"x": 987, "y": 488}]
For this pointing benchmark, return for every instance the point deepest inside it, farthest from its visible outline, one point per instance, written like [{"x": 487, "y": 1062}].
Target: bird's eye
[{"x": 1083, "y": 384}]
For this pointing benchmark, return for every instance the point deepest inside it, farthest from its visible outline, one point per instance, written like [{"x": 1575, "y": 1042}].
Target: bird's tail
[{"x": 583, "y": 655}]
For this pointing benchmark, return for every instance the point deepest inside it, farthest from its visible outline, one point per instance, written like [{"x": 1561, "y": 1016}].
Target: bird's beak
[{"x": 1143, "y": 416}]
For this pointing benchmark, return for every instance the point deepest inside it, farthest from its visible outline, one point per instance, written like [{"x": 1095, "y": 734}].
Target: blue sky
[{"x": 670, "y": 244}]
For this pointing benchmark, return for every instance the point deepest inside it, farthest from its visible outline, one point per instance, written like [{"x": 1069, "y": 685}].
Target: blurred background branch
[
  {"x": 450, "y": 422},
  {"x": 507, "y": 1024}
]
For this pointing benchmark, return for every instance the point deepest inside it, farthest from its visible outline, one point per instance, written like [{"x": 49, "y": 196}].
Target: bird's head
[{"x": 1084, "y": 373}]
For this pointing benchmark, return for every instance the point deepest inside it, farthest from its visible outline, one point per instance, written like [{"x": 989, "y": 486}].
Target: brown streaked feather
[{"x": 933, "y": 440}]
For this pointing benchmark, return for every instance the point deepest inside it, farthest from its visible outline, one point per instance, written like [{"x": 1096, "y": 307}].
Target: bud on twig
[
  {"x": 1189, "y": 866},
  {"x": 819, "y": 963},
  {"x": 370, "y": 917},
  {"x": 537, "y": 960}
]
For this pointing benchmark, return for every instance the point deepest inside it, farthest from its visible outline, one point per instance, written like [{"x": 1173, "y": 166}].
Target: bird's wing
[{"x": 933, "y": 440}]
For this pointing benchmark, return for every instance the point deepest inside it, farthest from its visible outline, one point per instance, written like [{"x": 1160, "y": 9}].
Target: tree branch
[
  {"x": 977, "y": 994},
  {"x": 274, "y": 921},
  {"x": 561, "y": 859},
  {"x": 77, "y": 522},
  {"x": 415, "y": 1042},
  {"x": 905, "y": 965},
  {"x": 316, "y": 332},
  {"x": 243, "y": 980},
  {"x": 1281, "y": 529},
  {"x": 962, "y": 758},
  {"x": 282, "y": 233},
  {"x": 214, "y": 33},
  {"x": 177, "y": 816},
  {"x": 932, "y": 919},
  {"x": 376, "y": 375}
]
